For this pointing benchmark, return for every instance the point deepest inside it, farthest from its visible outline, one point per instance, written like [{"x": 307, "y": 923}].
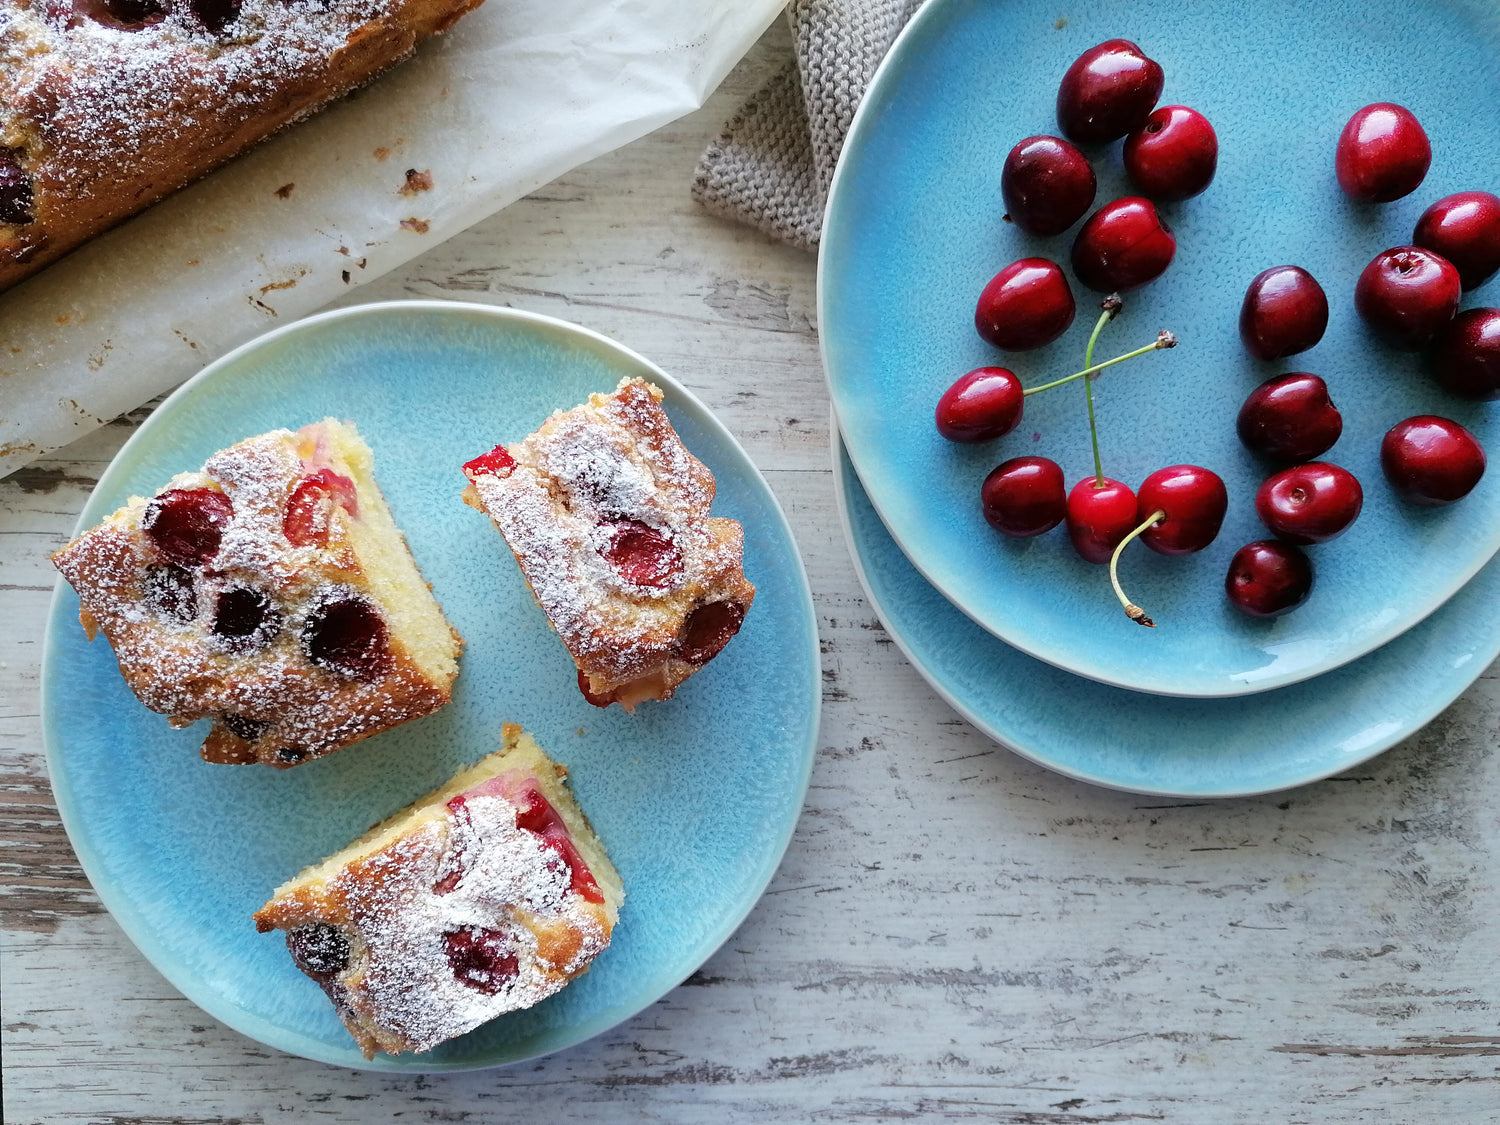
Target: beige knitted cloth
[{"x": 772, "y": 164}]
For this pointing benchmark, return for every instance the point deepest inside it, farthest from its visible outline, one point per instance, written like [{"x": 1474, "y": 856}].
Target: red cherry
[
  {"x": 15, "y": 188},
  {"x": 1268, "y": 578},
  {"x": 244, "y": 619},
  {"x": 1285, "y": 312},
  {"x": 1194, "y": 501},
  {"x": 984, "y": 404},
  {"x": 1407, "y": 295},
  {"x": 215, "y": 15},
  {"x": 1310, "y": 503},
  {"x": 1290, "y": 418},
  {"x": 1025, "y": 305},
  {"x": 642, "y": 555},
  {"x": 1431, "y": 460},
  {"x": 171, "y": 590},
  {"x": 1466, "y": 358},
  {"x": 1382, "y": 154},
  {"x": 483, "y": 959},
  {"x": 497, "y": 462},
  {"x": 1047, "y": 185},
  {"x": 187, "y": 524},
  {"x": 535, "y": 814},
  {"x": 346, "y": 634},
  {"x": 588, "y": 692},
  {"x": 1174, "y": 155},
  {"x": 309, "y": 510},
  {"x": 1124, "y": 245},
  {"x": 1024, "y": 496},
  {"x": 319, "y": 950},
  {"x": 1465, "y": 229},
  {"x": 1109, "y": 91},
  {"x": 708, "y": 629},
  {"x": 1098, "y": 518}
]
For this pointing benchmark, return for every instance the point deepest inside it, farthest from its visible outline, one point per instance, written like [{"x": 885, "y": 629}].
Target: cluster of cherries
[{"x": 1170, "y": 154}]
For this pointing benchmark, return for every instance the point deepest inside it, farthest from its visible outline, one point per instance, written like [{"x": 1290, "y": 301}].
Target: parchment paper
[{"x": 515, "y": 94}]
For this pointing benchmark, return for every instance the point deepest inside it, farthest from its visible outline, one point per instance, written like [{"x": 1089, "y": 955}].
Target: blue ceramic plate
[
  {"x": 1171, "y": 747},
  {"x": 182, "y": 852},
  {"x": 914, "y": 230}
]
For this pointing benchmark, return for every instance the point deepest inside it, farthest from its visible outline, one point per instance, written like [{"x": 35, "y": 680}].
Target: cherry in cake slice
[
  {"x": 271, "y": 592},
  {"x": 607, "y": 515},
  {"x": 481, "y": 898}
]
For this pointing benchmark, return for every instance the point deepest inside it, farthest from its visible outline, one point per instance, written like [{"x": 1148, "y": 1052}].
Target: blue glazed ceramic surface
[
  {"x": 1172, "y": 747},
  {"x": 914, "y": 230},
  {"x": 695, "y": 798}
]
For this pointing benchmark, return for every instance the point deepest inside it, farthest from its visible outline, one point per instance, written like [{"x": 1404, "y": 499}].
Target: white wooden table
[{"x": 955, "y": 934}]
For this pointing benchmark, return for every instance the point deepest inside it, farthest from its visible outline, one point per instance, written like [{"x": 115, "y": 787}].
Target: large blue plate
[
  {"x": 914, "y": 230},
  {"x": 695, "y": 798},
  {"x": 1171, "y": 747}
]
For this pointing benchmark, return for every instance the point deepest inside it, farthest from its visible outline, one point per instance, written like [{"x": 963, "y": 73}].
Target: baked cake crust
[
  {"x": 607, "y": 515},
  {"x": 293, "y": 649},
  {"x": 483, "y": 897},
  {"x": 106, "y": 106}
]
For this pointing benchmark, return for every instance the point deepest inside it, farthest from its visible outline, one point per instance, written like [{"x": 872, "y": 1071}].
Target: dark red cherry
[
  {"x": 1124, "y": 245},
  {"x": 1194, "y": 500},
  {"x": 1109, "y": 91},
  {"x": 1407, "y": 295},
  {"x": 1465, "y": 229},
  {"x": 1268, "y": 578},
  {"x": 1047, "y": 185},
  {"x": 1431, "y": 460},
  {"x": 215, "y": 15},
  {"x": 1382, "y": 154},
  {"x": 1466, "y": 357},
  {"x": 244, "y": 619},
  {"x": 535, "y": 814},
  {"x": 1285, "y": 312},
  {"x": 15, "y": 188},
  {"x": 171, "y": 590},
  {"x": 319, "y": 950},
  {"x": 1098, "y": 518},
  {"x": 984, "y": 404},
  {"x": 1310, "y": 503},
  {"x": 1024, "y": 496},
  {"x": 187, "y": 524},
  {"x": 346, "y": 634},
  {"x": 241, "y": 726},
  {"x": 1174, "y": 155},
  {"x": 309, "y": 510},
  {"x": 1025, "y": 305},
  {"x": 485, "y": 960},
  {"x": 127, "y": 15},
  {"x": 497, "y": 462},
  {"x": 708, "y": 629},
  {"x": 592, "y": 696},
  {"x": 1290, "y": 418},
  {"x": 643, "y": 555}
]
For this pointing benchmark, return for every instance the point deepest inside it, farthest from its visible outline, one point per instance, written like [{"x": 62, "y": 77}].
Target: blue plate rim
[
  {"x": 132, "y": 920},
  {"x": 894, "y": 59}
]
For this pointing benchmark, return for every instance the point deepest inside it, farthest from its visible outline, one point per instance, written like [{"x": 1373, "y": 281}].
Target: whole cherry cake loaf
[
  {"x": 273, "y": 593},
  {"x": 481, "y": 898},
  {"x": 108, "y": 105},
  {"x": 607, "y": 515}
]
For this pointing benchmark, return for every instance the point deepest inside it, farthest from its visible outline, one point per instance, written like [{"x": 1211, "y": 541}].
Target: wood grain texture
[{"x": 955, "y": 934}]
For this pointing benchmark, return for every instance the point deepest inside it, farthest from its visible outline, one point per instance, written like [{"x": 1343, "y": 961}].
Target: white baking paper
[{"x": 514, "y": 95}]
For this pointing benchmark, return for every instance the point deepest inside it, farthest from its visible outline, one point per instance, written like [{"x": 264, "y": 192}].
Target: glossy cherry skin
[
  {"x": 1047, "y": 185},
  {"x": 1466, "y": 357},
  {"x": 1124, "y": 245},
  {"x": 1310, "y": 503},
  {"x": 1025, "y": 305},
  {"x": 1407, "y": 295},
  {"x": 1465, "y": 229},
  {"x": 1174, "y": 155},
  {"x": 1098, "y": 518},
  {"x": 1268, "y": 578},
  {"x": 1383, "y": 153},
  {"x": 982, "y": 405},
  {"x": 1290, "y": 418},
  {"x": 1109, "y": 91},
  {"x": 1285, "y": 311},
  {"x": 1194, "y": 500},
  {"x": 1431, "y": 460},
  {"x": 1024, "y": 496}
]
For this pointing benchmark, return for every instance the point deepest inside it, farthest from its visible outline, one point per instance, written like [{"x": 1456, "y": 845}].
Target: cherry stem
[
  {"x": 1164, "y": 340},
  {"x": 1132, "y": 611},
  {"x": 1110, "y": 306}
]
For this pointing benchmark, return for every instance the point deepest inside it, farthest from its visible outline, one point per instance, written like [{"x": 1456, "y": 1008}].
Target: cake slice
[
  {"x": 607, "y": 515},
  {"x": 271, "y": 592},
  {"x": 483, "y": 897}
]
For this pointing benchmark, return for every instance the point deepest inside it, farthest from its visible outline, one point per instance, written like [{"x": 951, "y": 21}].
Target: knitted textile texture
[{"x": 773, "y": 163}]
